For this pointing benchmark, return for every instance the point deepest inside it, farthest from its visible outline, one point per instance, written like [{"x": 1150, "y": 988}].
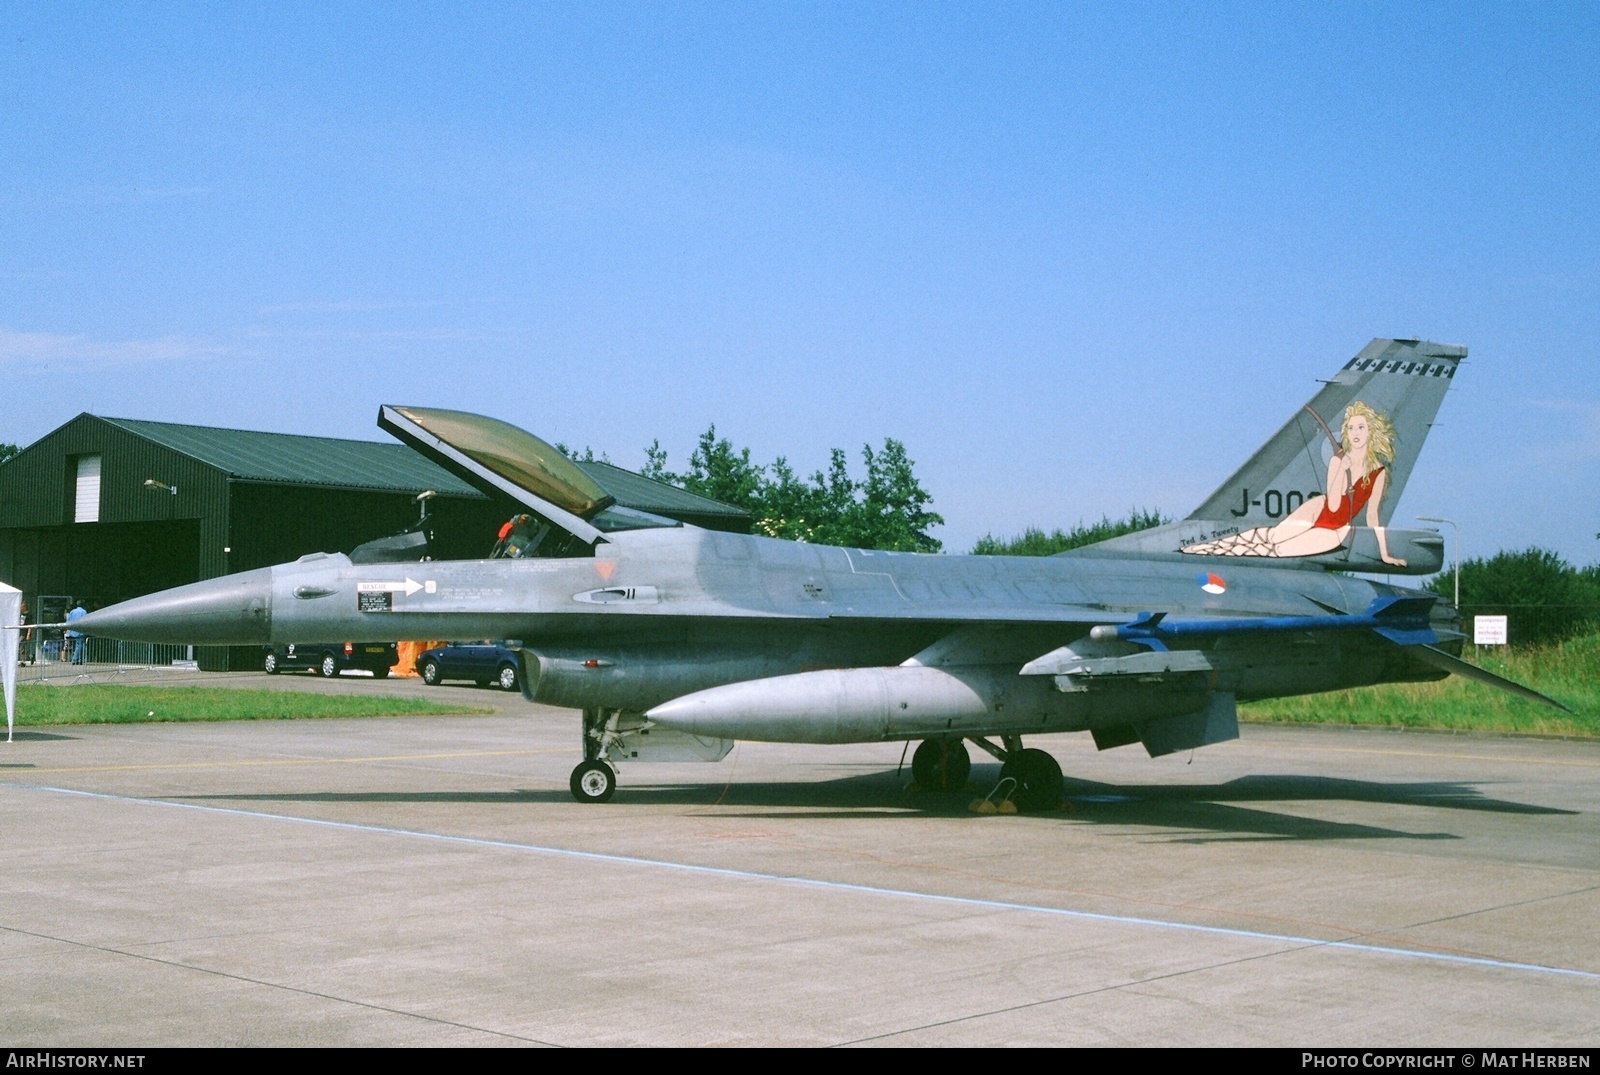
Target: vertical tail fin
[
  {"x": 1395, "y": 387},
  {"x": 1402, "y": 380}
]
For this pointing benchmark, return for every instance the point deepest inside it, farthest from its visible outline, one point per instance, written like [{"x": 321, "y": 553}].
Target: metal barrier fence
[
  {"x": 46, "y": 646},
  {"x": 1533, "y": 624}
]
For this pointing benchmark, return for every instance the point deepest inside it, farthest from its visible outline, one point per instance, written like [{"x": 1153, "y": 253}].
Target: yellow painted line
[
  {"x": 292, "y": 761},
  {"x": 1431, "y": 754}
]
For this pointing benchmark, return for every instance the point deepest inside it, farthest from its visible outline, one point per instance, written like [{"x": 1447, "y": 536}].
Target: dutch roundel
[{"x": 1211, "y": 582}]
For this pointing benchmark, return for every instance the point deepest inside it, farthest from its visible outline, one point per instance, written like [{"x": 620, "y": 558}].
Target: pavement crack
[
  {"x": 972, "y": 1016},
  {"x": 1502, "y": 907},
  {"x": 179, "y": 965}
]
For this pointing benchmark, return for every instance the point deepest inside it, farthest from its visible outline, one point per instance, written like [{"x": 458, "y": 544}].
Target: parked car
[
  {"x": 330, "y": 658},
  {"x": 482, "y": 662}
]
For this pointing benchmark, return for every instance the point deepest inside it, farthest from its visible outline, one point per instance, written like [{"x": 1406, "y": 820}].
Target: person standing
[
  {"x": 75, "y": 646},
  {"x": 25, "y": 638}
]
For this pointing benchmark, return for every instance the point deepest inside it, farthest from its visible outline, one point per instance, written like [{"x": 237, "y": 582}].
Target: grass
[
  {"x": 1567, "y": 671},
  {"x": 113, "y": 704}
]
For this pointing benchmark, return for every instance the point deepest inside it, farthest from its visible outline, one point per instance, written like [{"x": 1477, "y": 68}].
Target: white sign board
[{"x": 1488, "y": 630}]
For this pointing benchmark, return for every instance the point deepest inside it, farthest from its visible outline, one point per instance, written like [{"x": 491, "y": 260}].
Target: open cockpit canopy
[{"x": 503, "y": 461}]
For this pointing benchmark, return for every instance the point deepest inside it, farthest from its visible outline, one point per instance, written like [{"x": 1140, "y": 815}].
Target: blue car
[{"x": 482, "y": 662}]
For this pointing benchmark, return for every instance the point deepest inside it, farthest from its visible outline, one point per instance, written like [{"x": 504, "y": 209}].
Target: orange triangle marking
[{"x": 605, "y": 567}]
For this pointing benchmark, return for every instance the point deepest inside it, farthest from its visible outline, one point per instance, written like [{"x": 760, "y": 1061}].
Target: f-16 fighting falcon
[{"x": 675, "y": 641}]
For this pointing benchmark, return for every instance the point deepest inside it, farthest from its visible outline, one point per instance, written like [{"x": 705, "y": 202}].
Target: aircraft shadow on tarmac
[
  {"x": 1198, "y": 813},
  {"x": 1212, "y": 812}
]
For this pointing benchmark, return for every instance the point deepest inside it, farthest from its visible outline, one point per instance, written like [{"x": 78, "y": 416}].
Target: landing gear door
[
  {"x": 527, "y": 672},
  {"x": 666, "y": 744}
]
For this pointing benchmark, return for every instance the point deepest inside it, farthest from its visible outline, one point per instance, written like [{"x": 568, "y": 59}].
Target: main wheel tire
[
  {"x": 328, "y": 668},
  {"x": 507, "y": 678},
  {"x": 1038, "y": 778},
  {"x": 269, "y": 664},
  {"x": 941, "y": 764},
  {"x": 429, "y": 673},
  {"x": 593, "y": 782}
]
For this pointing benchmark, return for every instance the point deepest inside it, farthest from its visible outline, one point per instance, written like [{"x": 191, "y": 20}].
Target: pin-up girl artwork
[{"x": 1357, "y": 478}]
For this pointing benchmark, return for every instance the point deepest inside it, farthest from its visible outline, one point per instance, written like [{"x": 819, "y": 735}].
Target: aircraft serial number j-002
[{"x": 675, "y": 641}]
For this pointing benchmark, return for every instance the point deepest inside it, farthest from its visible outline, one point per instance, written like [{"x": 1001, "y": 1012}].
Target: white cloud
[{"x": 44, "y": 350}]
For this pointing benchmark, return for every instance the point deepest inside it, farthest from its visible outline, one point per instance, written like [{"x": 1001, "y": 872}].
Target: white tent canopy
[{"x": 10, "y": 620}]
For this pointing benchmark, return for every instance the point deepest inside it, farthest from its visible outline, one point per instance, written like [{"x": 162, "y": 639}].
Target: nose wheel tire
[
  {"x": 941, "y": 765},
  {"x": 593, "y": 782},
  {"x": 1038, "y": 778},
  {"x": 507, "y": 678},
  {"x": 329, "y": 667}
]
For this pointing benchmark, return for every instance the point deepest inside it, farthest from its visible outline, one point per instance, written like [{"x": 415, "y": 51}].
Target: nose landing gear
[{"x": 593, "y": 782}]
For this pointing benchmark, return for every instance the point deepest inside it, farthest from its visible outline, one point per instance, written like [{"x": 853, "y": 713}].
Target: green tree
[
  {"x": 887, "y": 509},
  {"x": 722, "y": 472},
  {"x": 1544, "y": 597},
  {"x": 7, "y": 451},
  {"x": 1035, "y": 542},
  {"x": 586, "y": 456}
]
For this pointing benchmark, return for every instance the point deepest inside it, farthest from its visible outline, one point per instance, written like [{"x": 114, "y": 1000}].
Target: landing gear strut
[{"x": 593, "y": 781}]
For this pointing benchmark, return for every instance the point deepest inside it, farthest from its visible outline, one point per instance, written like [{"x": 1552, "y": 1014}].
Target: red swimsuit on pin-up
[{"x": 1360, "y": 493}]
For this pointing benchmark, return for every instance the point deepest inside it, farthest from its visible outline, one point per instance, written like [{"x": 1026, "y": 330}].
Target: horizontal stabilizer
[
  {"x": 1440, "y": 659},
  {"x": 1394, "y": 608}
]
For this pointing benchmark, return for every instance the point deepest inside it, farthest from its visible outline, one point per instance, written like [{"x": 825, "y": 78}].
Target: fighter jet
[{"x": 676, "y": 642}]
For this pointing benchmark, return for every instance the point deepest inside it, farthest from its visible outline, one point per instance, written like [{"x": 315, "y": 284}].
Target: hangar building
[{"x": 104, "y": 509}]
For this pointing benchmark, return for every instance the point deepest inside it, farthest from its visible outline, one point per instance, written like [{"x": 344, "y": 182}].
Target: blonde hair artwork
[
  {"x": 1357, "y": 478},
  {"x": 1380, "y": 447}
]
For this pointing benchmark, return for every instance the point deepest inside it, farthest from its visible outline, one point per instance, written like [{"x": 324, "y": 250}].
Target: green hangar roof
[
  {"x": 291, "y": 459},
  {"x": 646, "y": 494}
]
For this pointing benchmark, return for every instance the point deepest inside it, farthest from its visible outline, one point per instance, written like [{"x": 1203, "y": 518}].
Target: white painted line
[{"x": 841, "y": 886}]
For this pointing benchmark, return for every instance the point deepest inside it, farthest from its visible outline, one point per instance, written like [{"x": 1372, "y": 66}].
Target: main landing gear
[
  {"x": 941, "y": 764},
  {"x": 1037, "y": 775},
  {"x": 1029, "y": 778}
]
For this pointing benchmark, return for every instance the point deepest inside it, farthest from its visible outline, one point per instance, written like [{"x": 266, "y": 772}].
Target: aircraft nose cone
[{"x": 233, "y": 610}]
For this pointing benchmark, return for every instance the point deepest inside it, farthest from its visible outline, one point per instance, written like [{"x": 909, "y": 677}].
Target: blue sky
[{"x": 1078, "y": 257}]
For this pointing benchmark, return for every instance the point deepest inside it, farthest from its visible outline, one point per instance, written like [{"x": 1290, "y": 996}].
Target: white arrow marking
[{"x": 408, "y": 587}]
